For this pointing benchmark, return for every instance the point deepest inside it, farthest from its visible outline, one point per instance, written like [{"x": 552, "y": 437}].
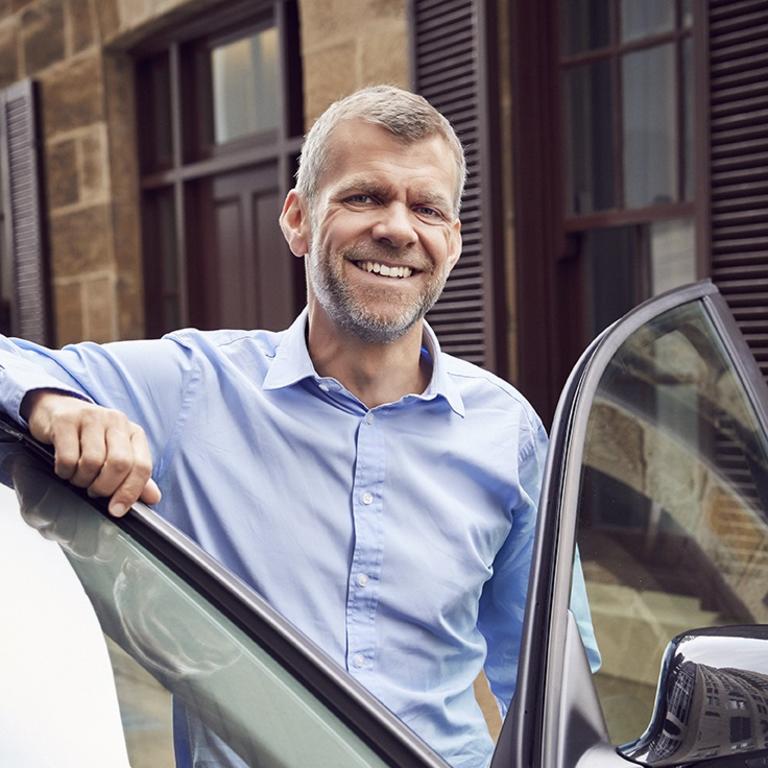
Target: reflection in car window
[
  {"x": 672, "y": 529},
  {"x": 49, "y": 634},
  {"x": 166, "y": 641}
]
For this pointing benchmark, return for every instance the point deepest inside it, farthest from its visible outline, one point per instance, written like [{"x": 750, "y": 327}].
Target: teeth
[{"x": 383, "y": 269}]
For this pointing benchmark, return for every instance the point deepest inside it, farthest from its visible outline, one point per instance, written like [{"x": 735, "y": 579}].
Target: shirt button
[
  {"x": 359, "y": 660},
  {"x": 324, "y": 387},
  {"x": 362, "y": 579},
  {"x": 369, "y": 418},
  {"x": 367, "y": 498}
]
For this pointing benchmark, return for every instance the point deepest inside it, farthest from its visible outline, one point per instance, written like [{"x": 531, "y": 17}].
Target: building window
[
  {"x": 616, "y": 213},
  {"x": 220, "y": 118},
  {"x": 627, "y": 90},
  {"x": 626, "y": 85}
]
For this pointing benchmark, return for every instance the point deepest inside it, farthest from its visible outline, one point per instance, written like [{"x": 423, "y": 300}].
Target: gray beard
[{"x": 350, "y": 314}]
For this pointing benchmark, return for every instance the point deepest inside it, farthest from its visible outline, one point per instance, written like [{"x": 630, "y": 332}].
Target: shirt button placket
[{"x": 362, "y": 596}]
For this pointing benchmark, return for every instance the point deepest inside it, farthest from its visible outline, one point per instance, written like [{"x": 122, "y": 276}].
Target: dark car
[{"x": 657, "y": 470}]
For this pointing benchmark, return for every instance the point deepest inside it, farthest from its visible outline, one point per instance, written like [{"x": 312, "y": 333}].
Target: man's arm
[
  {"x": 503, "y": 602},
  {"x": 106, "y": 447}
]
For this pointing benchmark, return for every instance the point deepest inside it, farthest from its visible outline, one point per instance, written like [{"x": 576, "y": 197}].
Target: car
[{"x": 657, "y": 475}]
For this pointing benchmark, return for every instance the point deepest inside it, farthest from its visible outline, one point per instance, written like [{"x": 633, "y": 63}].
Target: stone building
[
  {"x": 616, "y": 149},
  {"x": 88, "y": 58}
]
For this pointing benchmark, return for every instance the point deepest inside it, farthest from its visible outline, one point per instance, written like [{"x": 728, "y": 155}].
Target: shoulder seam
[{"x": 500, "y": 384}]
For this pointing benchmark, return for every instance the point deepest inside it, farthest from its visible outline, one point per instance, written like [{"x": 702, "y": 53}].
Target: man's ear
[
  {"x": 294, "y": 221},
  {"x": 454, "y": 243}
]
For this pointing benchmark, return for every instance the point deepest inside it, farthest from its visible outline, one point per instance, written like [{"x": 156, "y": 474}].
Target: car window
[
  {"x": 672, "y": 526},
  {"x": 166, "y": 674}
]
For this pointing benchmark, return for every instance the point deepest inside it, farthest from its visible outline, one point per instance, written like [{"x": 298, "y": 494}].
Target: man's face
[{"x": 383, "y": 238}]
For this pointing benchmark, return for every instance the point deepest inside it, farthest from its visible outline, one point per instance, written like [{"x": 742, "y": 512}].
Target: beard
[{"x": 354, "y": 308}]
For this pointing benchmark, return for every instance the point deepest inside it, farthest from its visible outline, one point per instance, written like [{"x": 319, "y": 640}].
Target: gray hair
[{"x": 405, "y": 115}]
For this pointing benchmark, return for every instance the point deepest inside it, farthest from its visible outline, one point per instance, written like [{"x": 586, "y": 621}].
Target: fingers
[
  {"x": 136, "y": 482},
  {"x": 99, "y": 449}
]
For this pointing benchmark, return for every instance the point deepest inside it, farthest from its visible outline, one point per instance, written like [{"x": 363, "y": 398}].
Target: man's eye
[
  {"x": 360, "y": 199},
  {"x": 425, "y": 210}
]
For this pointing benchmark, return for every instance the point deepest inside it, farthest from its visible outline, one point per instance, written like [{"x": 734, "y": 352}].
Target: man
[{"x": 377, "y": 492}]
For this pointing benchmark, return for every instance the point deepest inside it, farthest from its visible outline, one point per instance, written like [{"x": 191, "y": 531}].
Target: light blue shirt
[{"x": 398, "y": 538}]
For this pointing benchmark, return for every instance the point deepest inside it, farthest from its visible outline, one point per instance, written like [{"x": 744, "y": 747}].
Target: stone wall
[
  {"x": 346, "y": 45},
  {"x": 89, "y": 127},
  {"x": 94, "y": 248}
]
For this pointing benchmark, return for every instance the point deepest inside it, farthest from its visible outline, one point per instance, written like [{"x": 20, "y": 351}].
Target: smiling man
[
  {"x": 379, "y": 493},
  {"x": 379, "y": 228}
]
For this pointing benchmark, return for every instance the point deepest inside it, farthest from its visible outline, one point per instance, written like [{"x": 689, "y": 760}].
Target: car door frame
[{"x": 556, "y": 720}]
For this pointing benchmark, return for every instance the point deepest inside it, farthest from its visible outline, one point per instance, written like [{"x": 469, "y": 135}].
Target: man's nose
[{"x": 394, "y": 226}]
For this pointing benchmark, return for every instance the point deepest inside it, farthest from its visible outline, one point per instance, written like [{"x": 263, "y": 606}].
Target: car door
[
  {"x": 121, "y": 638},
  {"x": 657, "y": 476}
]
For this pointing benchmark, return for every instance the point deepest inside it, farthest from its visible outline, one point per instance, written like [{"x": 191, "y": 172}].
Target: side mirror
[{"x": 712, "y": 699}]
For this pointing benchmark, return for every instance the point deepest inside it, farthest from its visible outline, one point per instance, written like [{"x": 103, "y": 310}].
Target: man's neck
[{"x": 374, "y": 373}]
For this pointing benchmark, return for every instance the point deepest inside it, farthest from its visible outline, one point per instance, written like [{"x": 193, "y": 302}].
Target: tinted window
[{"x": 672, "y": 530}]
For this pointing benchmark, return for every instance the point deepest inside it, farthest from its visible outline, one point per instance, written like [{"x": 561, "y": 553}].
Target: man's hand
[{"x": 95, "y": 448}]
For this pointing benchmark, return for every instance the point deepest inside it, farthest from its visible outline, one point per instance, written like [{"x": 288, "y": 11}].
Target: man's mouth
[{"x": 383, "y": 269}]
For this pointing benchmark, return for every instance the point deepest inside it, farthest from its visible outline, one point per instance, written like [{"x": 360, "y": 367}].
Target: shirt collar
[{"x": 292, "y": 363}]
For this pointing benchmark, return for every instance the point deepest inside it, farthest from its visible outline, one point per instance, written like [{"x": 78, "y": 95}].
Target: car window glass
[
  {"x": 176, "y": 667},
  {"x": 672, "y": 526}
]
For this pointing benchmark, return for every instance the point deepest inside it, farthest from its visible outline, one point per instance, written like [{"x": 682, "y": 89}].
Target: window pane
[
  {"x": 584, "y": 25},
  {"x": 589, "y": 148},
  {"x": 642, "y": 18},
  {"x": 673, "y": 530},
  {"x": 673, "y": 259},
  {"x": 244, "y": 75},
  {"x": 614, "y": 267},
  {"x": 650, "y": 145},
  {"x": 687, "y": 13},
  {"x": 153, "y": 80},
  {"x": 232, "y": 698},
  {"x": 688, "y": 113},
  {"x": 625, "y": 265},
  {"x": 160, "y": 257}
]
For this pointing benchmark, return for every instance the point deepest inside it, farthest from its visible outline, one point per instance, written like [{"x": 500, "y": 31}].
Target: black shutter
[
  {"x": 23, "y": 241},
  {"x": 738, "y": 55},
  {"x": 452, "y": 69}
]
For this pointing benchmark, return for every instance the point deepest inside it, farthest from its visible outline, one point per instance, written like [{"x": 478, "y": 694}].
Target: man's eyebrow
[{"x": 364, "y": 184}]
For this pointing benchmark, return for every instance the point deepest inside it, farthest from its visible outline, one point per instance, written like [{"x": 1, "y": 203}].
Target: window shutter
[
  {"x": 22, "y": 212},
  {"x": 738, "y": 55},
  {"x": 448, "y": 38}
]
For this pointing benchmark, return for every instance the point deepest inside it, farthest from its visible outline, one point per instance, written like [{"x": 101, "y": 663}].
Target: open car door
[{"x": 658, "y": 476}]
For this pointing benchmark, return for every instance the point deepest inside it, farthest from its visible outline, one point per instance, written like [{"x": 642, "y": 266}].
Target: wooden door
[{"x": 242, "y": 273}]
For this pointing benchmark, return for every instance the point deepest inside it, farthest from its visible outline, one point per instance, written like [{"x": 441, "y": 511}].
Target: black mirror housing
[{"x": 711, "y": 701}]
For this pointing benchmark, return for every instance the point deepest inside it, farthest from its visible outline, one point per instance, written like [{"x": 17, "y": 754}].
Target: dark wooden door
[{"x": 243, "y": 273}]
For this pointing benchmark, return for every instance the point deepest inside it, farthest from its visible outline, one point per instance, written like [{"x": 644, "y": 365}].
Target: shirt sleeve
[
  {"x": 503, "y": 601},
  {"x": 146, "y": 380}
]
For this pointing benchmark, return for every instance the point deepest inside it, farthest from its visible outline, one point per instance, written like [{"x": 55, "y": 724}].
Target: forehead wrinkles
[{"x": 375, "y": 143}]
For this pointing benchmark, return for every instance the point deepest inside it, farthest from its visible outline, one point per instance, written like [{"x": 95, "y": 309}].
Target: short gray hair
[{"x": 405, "y": 115}]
